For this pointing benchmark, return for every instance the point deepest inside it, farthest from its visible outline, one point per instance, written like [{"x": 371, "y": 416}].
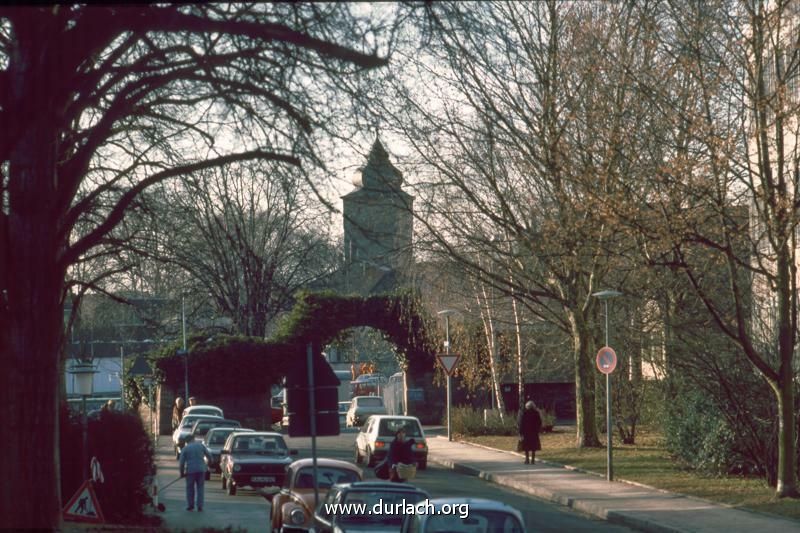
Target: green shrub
[
  {"x": 125, "y": 453},
  {"x": 467, "y": 421},
  {"x": 698, "y": 434}
]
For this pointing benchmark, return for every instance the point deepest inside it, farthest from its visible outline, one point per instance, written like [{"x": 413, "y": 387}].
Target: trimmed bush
[
  {"x": 125, "y": 453},
  {"x": 468, "y": 421}
]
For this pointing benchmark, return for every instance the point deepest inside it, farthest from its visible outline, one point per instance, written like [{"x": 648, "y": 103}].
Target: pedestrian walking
[
  {"x": 193, "y": 467},
  {"x": 177, "y": 413},
  {"x": 400, "y": 454},
  {"x": 530, "y": 424}
]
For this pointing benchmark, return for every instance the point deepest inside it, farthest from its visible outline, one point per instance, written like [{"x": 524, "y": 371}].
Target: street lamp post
[
  {"x": 446, "y": 314},
  {"x": 605, "y": 296},
  {"x": 84, "y": 381},
  {"x": 185, "y": 352}
]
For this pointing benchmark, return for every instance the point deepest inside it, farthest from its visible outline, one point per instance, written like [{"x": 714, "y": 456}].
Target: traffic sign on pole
[
  {"x": 448, "y": 362},
  {"x": 606, "y": 360}
]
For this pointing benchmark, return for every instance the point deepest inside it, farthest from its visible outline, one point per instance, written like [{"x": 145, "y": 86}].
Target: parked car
[
  {"x": 361, "y": 407},
  {"x": 343, "y": 407},
  {"x": 372, "y": 442},
  {"x": 292, "y": 504},
  {"x": 366, "y": 493},
  {"x": 215, "y": 441},
  {"x": 254, "y": 459},
  {"x": 210, "y": 410},
  {"x": 476, "y": 515},
  {"x": 203, "y": 425},
  {"x": 187, "y": 422}
]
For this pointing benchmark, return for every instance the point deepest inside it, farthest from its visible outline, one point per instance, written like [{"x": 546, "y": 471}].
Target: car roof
[
  {"x": 482, "y": 504},
  {"x": 229, "y": 428},
  {"x": 265, "y": 433},
  {"x": 367, "y": 396},
  {"x": 382, "y": 485},
  {"x": 324, "y": 462},
  {"x": 396, "y": 417},
  {"x": 196, "y": 407}
]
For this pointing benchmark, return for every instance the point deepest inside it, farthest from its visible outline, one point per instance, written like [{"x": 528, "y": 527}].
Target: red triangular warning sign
[
  {"x": 83, "y": 506},
  {"x": 448, "y": 362}
]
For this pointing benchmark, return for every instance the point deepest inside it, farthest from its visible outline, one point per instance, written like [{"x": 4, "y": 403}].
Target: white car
[
  {"x": 372, "y": 442},
  {"x": 362, "y": 407},
  {"x": 210, "y": 410},
  {"x": 187, "y": 422},
  {"x": 476, "y": 515}
]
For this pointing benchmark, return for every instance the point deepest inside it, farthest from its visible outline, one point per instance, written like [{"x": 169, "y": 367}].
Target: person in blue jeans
[{"x": 193, "y": 467}]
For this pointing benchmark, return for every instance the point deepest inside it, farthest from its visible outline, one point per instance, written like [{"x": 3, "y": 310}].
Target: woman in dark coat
[
  {"x": 530, "y": 423},
  {"x": 400, "y": 452}
]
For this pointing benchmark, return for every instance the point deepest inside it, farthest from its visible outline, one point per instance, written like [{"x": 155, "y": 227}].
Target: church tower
[{"x": 378, "y": 220}]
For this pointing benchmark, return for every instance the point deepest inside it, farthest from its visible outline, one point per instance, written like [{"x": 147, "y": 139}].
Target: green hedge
[{"x": 125, "y": 453}]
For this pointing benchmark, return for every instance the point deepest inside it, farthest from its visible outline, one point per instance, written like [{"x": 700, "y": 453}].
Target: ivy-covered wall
[{"x": 225, "y": 365}]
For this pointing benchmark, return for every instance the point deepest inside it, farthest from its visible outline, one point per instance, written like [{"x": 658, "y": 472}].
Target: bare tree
[
  {"x": 527, "y": 126},
  {"x": 100, "y": 103},
  {"x": 723, "y": 195},
  {"x": 248, "y": 235}
]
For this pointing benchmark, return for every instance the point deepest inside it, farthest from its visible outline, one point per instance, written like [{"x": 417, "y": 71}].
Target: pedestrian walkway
[
  {"x": 247, "y": 511},
  {"x": 635, "y": 506}
]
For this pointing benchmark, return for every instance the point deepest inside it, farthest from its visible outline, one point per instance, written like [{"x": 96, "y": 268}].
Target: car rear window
[
  {"x": 390, "y": 499},
  {"x": 259, "y": 443},
  {"x": 219, "y": 437},
  {"x": 371, "y": 402},
  {"x": 390, "y": 426},
  {"x": 326, "y": 477}
]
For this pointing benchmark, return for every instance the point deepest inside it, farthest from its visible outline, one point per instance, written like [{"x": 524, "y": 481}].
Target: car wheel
[
  {"x": 357, "y": 455},
  {"x": 422, "y": 465},
  {"x": 224, "y": 482},
  {"x": 368, "y": 458},
  {"x": 231, "y": 488}
]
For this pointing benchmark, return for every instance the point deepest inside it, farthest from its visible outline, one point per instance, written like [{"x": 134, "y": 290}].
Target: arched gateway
[
  {"x": 377, "y": 218},
  {"x": 240, "y": 367}
]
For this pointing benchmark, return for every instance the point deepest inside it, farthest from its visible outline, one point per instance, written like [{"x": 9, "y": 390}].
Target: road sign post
[
  {"x": 449, "y": 362},
  {"x": 606, "y": 363}
]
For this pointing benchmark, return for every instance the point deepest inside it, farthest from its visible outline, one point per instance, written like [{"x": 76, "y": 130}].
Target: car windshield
[
  {"x": 343, "y": 407},
  {"x": 390, "y": 426},
  {"x": 260, "y": 444},
  {"x": 478, "y": 521},
  {"x": 370, "y": 402},
  {"x": 393, "y": 505},
  {"x": 326, "y": 477}
]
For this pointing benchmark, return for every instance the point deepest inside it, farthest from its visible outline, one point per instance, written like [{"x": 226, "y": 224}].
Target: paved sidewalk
[{"x": 635, "y": 506}]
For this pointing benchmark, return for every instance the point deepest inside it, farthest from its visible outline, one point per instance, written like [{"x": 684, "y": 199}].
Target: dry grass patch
[{"x": 648, "y": 462}]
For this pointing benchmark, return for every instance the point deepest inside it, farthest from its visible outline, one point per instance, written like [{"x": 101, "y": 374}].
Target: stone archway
[{"x": 224, "y": 365}]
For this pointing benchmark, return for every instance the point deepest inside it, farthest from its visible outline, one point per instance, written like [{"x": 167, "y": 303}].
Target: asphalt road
[
  {"x": 250, "y": 511},
  {"x": 440, "y": 482}
]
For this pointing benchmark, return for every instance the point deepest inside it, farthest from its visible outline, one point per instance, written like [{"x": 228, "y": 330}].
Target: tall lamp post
[
  {"x": 84, "y": 383},
  {"x": 446, "y": 313},
  {"x": 605, "y": 296}
]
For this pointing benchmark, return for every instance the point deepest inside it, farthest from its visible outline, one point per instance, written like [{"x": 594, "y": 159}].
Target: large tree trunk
[
  {"x": 586, "y": 424},
  {"x": 787, "y": 456},
  {"x": 30, "y": 495}
]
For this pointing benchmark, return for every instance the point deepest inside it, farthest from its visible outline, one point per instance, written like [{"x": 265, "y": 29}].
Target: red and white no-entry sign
[
  {"x": 606, "y": 360},
  {"x": 449, "y": 363}
]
